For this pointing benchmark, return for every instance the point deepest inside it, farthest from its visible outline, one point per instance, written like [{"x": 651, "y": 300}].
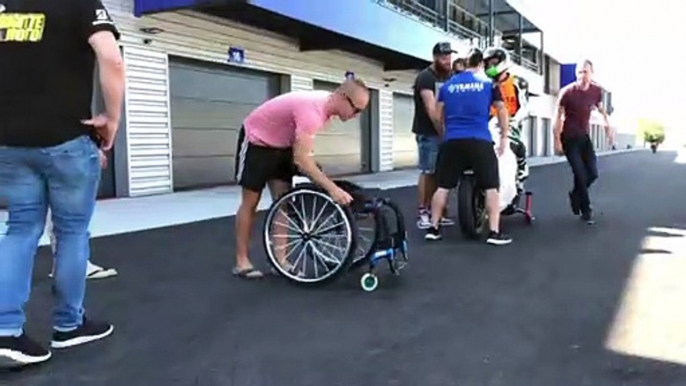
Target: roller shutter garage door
[
  {"x": 404, "y": 143},
  {"x": 338, "y": 147},
  {"x": 208, "y": 104},
  {"x": 106, "y": 187},
  {"x": 547, "y": 137},
  {"x": 527, "y": 135}
]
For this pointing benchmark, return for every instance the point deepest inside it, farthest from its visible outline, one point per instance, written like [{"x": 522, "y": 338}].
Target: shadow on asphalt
[{"x": 538, "y": 312}]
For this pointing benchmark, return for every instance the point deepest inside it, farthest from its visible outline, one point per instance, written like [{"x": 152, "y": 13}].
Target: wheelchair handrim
[{"x": 348, "y": 233}]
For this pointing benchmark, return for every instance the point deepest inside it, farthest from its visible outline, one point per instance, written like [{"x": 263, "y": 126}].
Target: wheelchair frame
[{"x": 350, "y": 255}]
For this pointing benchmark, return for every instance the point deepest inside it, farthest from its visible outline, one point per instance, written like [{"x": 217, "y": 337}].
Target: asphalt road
[{"x": 535, "y": 313}]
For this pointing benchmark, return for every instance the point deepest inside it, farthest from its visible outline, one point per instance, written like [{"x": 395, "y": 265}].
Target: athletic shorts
[
  {"x": 256, "y": 165},
  {"x": 457, "y": 155}
]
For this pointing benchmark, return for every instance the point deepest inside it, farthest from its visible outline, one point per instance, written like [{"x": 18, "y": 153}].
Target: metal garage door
[
  {"x": 533, "y": 138},
  {"x": 547, "y": 137},
  {"x": 106, "y": 187},
  {"x": 338, "y": 148},
  {"x": 208, "y": 105},
  {"x": 527, "y": 135},
  {"x": 404, "y": 143}
]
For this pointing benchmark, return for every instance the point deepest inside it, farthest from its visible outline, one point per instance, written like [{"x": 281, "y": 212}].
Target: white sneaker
[
  {"x": 424, "y": 220},
  {"x": 447, "y": 222}
]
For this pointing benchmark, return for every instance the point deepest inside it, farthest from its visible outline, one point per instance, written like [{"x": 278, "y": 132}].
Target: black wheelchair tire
[
  {"x": 347, "y": 260},
  {"x": 471, "y": 224}
]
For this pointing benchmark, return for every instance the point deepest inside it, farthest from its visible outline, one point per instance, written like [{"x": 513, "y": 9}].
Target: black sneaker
[
  {"x": 21, "y": 351},
  {"x": 574, "y": 203},
  {"x": 500, "y": 238},
  {"x": 89, "y": 331},
  {"x": 432, "y": 233}
]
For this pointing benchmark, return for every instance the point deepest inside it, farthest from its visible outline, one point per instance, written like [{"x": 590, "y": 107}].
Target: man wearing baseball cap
[{"x": 426, "y": 84}]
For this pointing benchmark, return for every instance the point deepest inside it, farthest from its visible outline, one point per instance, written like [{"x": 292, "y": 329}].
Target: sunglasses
[{"x": 356, "y": 109}]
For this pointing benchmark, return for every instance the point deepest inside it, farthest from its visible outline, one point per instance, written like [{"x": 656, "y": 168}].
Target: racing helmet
[{"x": 496, "y": 61}]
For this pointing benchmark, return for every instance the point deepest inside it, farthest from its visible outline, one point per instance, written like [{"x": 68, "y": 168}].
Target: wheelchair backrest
[{"x": 390, "y": 229}]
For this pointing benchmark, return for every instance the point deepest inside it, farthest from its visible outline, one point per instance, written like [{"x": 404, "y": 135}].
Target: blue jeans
[
  {"x": 582, "y": 159},
  {"x": 427, "y": 148},
  {"x": 64, "y": 178}
]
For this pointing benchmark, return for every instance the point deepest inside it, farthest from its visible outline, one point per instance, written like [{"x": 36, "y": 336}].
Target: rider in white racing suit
[{"x": 515, "y": 93}]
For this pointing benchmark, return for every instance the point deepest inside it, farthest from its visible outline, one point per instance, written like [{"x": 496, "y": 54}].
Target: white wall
[
  {"x": 194, "y": 35},
  {"x": 536, "y": 81},
  {"x": 544, "y": 107}
]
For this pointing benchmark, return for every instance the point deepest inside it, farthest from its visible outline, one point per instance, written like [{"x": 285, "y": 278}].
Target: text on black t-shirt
[{"x": 47, "y": 69}]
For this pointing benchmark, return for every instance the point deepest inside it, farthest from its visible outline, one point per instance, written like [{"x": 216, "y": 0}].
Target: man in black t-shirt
[
  {"x": 426, "y": 84},
  {"x": 49, "y": 157}
]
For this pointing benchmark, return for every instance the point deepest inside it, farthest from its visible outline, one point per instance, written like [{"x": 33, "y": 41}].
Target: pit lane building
[{"x": 196, "y": 68}]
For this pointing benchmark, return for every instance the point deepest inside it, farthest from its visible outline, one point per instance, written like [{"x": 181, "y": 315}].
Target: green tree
[{"x": 652, "y": 131}]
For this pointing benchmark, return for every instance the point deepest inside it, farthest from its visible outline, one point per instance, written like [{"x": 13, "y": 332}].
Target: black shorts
[
  {"x": 256, "y": 165},
  {"x": 457, "y": 155}
]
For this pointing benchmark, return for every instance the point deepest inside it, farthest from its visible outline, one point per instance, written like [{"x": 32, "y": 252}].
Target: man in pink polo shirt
[{"x": 277, "y": 137}]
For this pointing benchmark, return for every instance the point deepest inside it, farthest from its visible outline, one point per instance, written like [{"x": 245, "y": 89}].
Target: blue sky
[{"x": 630, "y": 42}]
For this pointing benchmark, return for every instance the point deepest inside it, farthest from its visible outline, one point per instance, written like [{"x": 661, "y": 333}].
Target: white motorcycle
[{"x": 471, "y": 200}]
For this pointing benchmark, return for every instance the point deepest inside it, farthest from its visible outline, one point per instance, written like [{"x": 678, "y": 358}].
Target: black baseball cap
[{"x": 443, "y": 48}]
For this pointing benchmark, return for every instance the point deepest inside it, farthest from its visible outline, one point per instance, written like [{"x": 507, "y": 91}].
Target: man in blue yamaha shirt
[{"x": 463, "y": 105}]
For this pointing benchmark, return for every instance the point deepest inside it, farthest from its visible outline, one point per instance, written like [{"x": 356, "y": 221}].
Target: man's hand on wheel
[{"x": 341, "y": 196}]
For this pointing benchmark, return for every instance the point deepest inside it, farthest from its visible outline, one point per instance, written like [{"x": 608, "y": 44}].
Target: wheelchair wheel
[
  {"x": 471, "y": 207},
  {"x": 309, "y": 238},
  {"x": 365, "y": 223}
]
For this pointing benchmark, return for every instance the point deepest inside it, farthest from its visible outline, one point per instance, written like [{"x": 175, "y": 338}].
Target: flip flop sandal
[
  {"x": 247, "y": 273},
  {"x": 102, "y": 273}
]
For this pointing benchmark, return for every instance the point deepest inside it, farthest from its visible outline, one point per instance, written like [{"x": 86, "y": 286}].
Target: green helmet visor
[{"x": 492, "y": 71}]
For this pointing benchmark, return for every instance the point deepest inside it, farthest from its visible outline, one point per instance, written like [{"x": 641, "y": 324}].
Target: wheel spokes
[{"x": 309, "y": 239}]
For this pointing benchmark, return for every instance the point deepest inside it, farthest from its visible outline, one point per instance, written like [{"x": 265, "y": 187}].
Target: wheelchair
[
  {"x": 471, "y": 200},
  {"x": 311, "y": 240}
]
